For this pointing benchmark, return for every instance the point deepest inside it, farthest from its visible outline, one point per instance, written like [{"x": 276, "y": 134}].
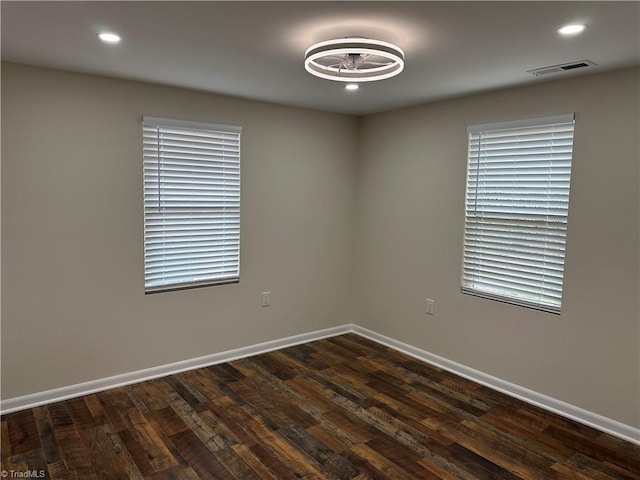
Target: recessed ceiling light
[
  {"x": 109, "y": 37},
  {"x": 573, "y": 29},
  {"x": 352, "y": 86}
]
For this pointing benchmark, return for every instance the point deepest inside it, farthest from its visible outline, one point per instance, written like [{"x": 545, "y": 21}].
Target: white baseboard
[
  {"x": 599, "y": 422},
  {"x": 85, "y": 388},
  {"x": 608, "y": 425}
]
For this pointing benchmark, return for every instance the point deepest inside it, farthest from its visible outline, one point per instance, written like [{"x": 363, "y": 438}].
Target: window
[
  {"x": 191, "y": 204},
  {"x": 516, "y": 206}
]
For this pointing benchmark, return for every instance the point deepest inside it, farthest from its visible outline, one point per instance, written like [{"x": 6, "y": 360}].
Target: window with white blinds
[
  {"x": 517, "y": 200},
  {"x": 191, "y": 204}
]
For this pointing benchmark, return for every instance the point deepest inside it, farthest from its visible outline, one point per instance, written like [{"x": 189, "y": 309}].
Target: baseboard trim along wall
[
  {"x": 605, "y": 424},
  {"x": 85, "y": 388},
  {"x": 599, "y": 422}
]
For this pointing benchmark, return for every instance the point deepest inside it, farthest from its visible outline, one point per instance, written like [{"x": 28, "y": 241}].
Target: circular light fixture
[
  {"x": 573, "y": 29},
  {"x": 351, "y": 86},
  {"x": 109, "y": 37},
  {"x": 354, "y": 59}
]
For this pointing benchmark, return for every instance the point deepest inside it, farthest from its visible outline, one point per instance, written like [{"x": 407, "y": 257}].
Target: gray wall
[
  {"x": 410, "y": 232},
  {"x": 73, "y": 305},
  {"x": 360, "y": 232}
]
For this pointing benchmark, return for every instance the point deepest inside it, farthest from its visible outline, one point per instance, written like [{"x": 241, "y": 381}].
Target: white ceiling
[{"x": 255, "y": 49}]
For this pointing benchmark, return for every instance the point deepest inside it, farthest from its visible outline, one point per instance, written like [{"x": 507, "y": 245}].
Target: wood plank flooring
[{"x": 340, "y": 408}]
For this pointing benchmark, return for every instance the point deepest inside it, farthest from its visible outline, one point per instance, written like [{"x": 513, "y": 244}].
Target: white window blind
[
  {"x": 191, "y": 203},
  {"x": 517, "y": 200}
]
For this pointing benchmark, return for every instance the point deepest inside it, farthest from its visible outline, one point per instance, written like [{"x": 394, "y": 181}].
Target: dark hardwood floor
[{"x": 339, "y": 408}]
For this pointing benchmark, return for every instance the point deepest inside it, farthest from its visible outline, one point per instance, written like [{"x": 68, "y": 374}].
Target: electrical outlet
[
  {"x": 266, "y": 299},
  {"x": 431, "y": 307}
]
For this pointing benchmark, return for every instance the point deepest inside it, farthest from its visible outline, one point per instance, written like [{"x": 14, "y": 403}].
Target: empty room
[{"x": 320, "y": 240}]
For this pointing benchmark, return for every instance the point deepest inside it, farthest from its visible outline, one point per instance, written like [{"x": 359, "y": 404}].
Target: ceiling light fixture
[
  {"x": 109, "y": 37},
  {"x": 354, "y": 59},
  {"x": 573, "y": 29},
  {"x": 351, "y": 86}
]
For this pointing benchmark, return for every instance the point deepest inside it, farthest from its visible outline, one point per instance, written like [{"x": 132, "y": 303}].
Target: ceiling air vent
[{"x": 561, "y": 68}]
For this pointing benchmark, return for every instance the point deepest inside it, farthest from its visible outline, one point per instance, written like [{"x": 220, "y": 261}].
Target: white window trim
[
  {"x": 173, "y": 122},
  {"x": 522, "y": 123}
]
